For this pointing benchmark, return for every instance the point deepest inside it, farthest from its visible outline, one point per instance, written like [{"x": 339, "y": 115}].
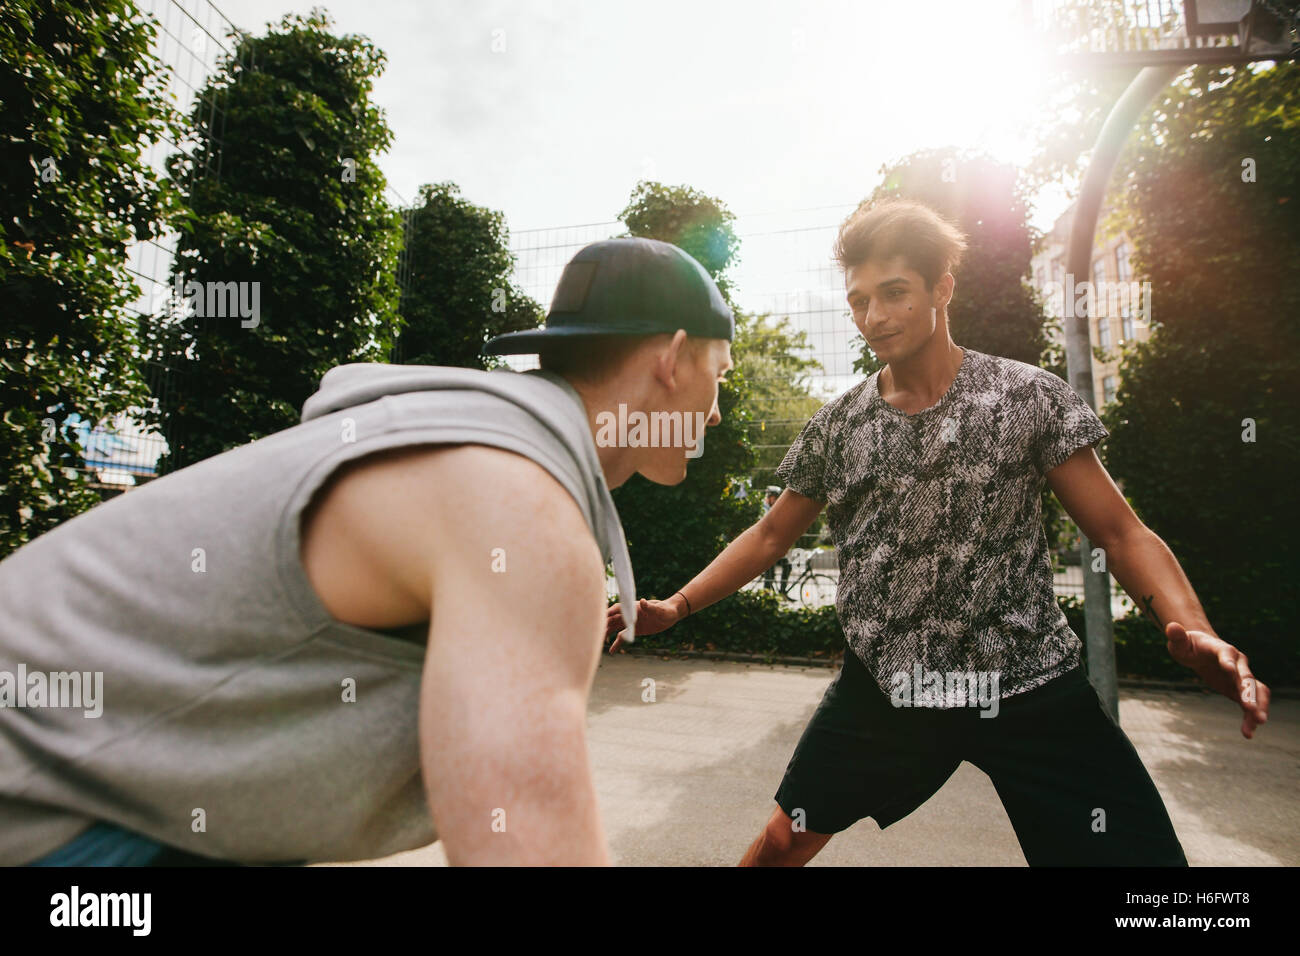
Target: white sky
[
  {"x": 552, "y": 110},
  {"x": 769, "y": 106},
  {"x": 784, "y": 111}
]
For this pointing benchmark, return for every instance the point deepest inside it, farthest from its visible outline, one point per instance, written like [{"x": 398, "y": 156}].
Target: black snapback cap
[{"x": 627, "y": 287}]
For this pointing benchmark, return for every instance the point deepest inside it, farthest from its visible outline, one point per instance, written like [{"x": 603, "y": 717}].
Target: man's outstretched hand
[
  {"x": 1223, "y": 668},
  {"x": 651, "y": 618}
]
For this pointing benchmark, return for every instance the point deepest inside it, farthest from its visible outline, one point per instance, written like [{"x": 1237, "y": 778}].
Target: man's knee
[{"x": 787, "y": 842}]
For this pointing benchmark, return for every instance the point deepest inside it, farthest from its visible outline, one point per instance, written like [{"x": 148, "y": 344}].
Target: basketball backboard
[{"x": 1139, "y": 33}]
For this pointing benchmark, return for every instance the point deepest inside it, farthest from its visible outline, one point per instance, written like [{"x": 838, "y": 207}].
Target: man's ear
[
  {"x": 666, "y": 365},
  {"x": 943, "y": 290}
]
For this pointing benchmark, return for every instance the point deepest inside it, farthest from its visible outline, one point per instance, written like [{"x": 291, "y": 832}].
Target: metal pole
[{"x": 1078, "y": 349}]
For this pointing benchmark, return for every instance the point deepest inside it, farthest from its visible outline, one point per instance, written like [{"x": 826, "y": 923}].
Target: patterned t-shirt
[{"x": 937, "y": 520}]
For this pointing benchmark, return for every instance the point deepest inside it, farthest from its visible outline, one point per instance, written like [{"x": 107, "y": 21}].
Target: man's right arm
[
  {"x": 752, "y": 553},
  {"x": 501, "y": 557},
  {"x": 513, "y": 645}
]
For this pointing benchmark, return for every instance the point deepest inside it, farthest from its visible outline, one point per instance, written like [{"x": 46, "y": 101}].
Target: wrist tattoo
[{"x": 1147, "y": 599}]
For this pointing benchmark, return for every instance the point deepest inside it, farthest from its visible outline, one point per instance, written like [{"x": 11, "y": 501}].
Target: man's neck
[
  {"x": 616, "y": 462},
  {"x": 923, "y": 378}
]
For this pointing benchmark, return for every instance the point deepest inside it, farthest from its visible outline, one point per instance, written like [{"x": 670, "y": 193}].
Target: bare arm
[
  {"x": 515, "y": 587},
  {"x": 1148, "y": 571},
  {"x": 753, "y": 552},
  {"x": 756, "y": 549}
]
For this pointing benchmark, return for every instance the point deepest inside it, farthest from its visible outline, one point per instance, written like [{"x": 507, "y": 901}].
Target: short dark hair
[
  {"x": 928, "y": 243},
  {"x": 594, "y": 358}
]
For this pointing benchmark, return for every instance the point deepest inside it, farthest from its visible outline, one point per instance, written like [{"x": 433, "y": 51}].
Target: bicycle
[{"x": 815, "y": 589}]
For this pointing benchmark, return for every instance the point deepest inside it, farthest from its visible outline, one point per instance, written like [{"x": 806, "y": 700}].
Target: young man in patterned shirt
[{"x": 931, "y": 472}]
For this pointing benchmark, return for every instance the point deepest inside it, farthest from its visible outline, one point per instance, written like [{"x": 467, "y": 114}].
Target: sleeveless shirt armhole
[{"x": 293, "y": 577}]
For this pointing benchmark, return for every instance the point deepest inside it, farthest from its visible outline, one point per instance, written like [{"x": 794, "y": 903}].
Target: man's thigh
[{"x": 1071, "y": 782}]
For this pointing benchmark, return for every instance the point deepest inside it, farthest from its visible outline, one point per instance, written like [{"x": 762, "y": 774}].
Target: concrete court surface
[{"x": 688, "y": 780}]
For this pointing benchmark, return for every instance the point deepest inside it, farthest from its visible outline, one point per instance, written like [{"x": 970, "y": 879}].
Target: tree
[
  {"x": 459, "y": 292},
  {"x": 672, "y": 532},
  {"x": 772, "y": 355},
  {"x": 286, "y": 207},
  {"x": 1206, "y": 422},
  {"x": 697, "y": 223},
  {"x": 81, "y": 96},
  {"x": 1079, "y": 100}
]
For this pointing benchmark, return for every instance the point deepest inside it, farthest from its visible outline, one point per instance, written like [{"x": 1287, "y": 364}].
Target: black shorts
[{"x": 1072, "y": 784}]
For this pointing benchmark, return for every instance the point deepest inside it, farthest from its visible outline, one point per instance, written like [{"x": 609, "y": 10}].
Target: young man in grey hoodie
[{"x": 369, "y": 631}]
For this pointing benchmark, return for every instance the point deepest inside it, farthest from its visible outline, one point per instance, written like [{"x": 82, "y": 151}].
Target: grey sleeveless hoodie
[{"x": 223, "y": 726}]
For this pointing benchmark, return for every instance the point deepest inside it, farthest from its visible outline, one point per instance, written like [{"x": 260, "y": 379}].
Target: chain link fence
[{"x": 192, "y": 39}]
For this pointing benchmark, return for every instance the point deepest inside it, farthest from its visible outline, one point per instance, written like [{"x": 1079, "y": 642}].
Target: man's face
[
  {"x": 701, "y": 366},
  {"x": 892, "y": 308}
]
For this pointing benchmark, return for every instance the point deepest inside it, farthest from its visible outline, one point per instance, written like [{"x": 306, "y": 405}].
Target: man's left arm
[{"x": 1145, "y": 567}]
